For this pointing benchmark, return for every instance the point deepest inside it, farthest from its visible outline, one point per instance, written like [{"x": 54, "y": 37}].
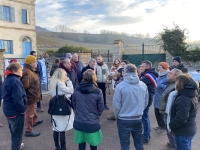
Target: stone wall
[
  {"x": 1, "y": 62},
  {"x": 188, "y": 64}
]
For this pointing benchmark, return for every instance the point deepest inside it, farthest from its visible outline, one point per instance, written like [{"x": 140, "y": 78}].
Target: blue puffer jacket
[
  {"x": 14, "y": 96},
  {"x": 161, "y": 85}
]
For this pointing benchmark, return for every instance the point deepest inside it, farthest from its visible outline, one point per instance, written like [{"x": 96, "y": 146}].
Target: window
[
  {"x": 7, "y": 13},
  {"x": 7, "y": 45},
  {"x": 24, "y": 16}
]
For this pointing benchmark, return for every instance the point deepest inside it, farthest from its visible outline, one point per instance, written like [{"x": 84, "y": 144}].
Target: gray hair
[
  {"x": 130, "y": 68},
  {"x": 92, "y": 60},
  {"x": 177, "y": 71},
  {"x": 65, "y": 60}
]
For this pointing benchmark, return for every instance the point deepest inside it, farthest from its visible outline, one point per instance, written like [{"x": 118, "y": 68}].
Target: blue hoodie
[{"x": 130, "y": 98}]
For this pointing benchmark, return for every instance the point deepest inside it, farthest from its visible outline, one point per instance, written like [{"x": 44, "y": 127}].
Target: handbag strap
[{"x": 56, "y": 90}]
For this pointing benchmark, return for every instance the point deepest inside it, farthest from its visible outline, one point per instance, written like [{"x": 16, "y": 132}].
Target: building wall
[{"x": 16, "y": 31}]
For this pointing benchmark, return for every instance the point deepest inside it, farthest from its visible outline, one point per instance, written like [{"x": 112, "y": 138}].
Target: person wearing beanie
[
  {"x": 163, "y": 70},
  {"x": 69, "y": 55},
  {"x": 31, "y": 83},
  {"x": 40, "y": 75},
  {"x": 178, "y": 64}
]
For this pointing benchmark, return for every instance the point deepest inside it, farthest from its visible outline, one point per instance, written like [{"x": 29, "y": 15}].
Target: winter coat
[
  {"x": 31, "y": 83},
  {"x": 79, "y": 67},
  {"x": 14, "y": 96},
  {"x": 184, "y": 110},
  {"x": 88, "y": 105},
  {"x": 53, "y": 68},
  {"x": 163, "y": 100},
  {"x": 130, "y": 98},
  {"x": 180, "y": 66},
  {"x": 63, "y": 123},
  {"x": 72, "y": 76},
  {"x": 0, "y": 88},
  {"x": 86, "y": 68},
  {"x": 149, "y": 78},
  {"x": 102, "y": 72},
  {"x": 161, "y": 85}
]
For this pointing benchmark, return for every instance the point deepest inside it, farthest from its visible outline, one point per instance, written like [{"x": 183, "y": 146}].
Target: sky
[{"x": 130, "y": 16}]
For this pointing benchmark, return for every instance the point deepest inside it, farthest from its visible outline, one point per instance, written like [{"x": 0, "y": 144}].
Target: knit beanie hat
[
  {"x": 177, "y": 58},
  {"x": 68, "y": 55},
  {"x": 13, "y": 60},
  {"x": 164, "y": 65},
  {"x": 30, "y": 59}
]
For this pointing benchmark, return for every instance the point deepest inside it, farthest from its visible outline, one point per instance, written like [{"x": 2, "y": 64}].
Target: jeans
[
  {"x": 146, "y": 123},
  {"x": 39, "y": 104},
  {"x": 125, "y": 127},
  {"x": 16, "y": 126},
  {"x": 102, "y": 86},
  {"x": 184, "y": 142},
  {"x": 159, "y": 118}
]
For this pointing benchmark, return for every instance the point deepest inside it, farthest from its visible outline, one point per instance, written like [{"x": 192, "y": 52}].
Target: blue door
[{"x": 26, "y": 47}]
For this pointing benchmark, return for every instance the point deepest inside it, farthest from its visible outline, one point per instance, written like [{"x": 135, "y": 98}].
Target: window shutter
[
  {"x": 11, "y": 47},
  {"x": 24, "y": 16},
  {"x": 27, "y": 17},
  {"x": 1, "y": 12},
  {"x": 12, "y": 12}
]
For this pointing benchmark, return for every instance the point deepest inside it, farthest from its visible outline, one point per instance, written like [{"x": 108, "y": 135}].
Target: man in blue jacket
[{"x": 148, "y": 76}]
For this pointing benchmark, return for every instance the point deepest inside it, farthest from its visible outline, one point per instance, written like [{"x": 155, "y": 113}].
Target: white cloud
[{"x": 132, "y": 16}]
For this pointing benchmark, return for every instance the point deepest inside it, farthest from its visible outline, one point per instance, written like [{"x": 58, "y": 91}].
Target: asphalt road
[{"x": 109, "y": 129}]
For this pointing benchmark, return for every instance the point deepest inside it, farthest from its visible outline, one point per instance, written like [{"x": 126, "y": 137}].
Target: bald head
[{"x": 75, "y": 57}]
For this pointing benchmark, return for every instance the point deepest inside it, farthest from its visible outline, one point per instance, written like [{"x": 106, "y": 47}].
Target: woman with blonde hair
[
  {"x": 88, "y": 106},
  {"x": 61, "y": 123},
  {"x": 115, "y": 66},
  {"x": 183, "y": 112}
]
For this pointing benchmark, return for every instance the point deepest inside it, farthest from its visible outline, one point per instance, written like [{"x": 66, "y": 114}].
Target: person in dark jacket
[
  {"x": 79, "y": 66},
  {"x": 70, "y": 72},
  {"x": 183, "y": 112},
  {"x": 55, "y": 65},
  {"x": 178, "y": 64},
  {"x": 88, "y": 106},
  {"x": 14, "y": 103},
  {"x": 148, "y": 76},
  {"x": 91, "y": 65}
]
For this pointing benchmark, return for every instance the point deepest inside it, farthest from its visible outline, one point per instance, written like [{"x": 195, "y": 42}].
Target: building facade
[{"x": 17, "y": 28}]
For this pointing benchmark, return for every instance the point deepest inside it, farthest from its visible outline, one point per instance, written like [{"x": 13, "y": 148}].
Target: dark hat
[{"x": 177, "y": 58}]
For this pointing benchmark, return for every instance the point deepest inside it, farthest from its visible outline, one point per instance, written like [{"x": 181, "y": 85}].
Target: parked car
[{"x": 195, "y": 74}]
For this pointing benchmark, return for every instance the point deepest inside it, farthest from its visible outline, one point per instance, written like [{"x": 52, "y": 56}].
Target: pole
[
  {"x": 108, "y": 56},
  {"x": 143, "y": 51},
  {"x": 91, "y": 53}
]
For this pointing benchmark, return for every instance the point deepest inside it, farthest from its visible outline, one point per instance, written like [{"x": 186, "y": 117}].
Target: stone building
[{"x": 17, "y": 28}]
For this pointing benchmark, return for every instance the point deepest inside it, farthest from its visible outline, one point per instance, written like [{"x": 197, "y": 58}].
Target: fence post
[
  {"x": 143, "y": 52},
  {"x": 91, "y": 53},
  {"x": 108, "y": 56}
]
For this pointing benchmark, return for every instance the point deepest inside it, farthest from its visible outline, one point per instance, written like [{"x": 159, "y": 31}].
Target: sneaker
[
  {"x": 1, "y": 125},
  {"x": 106, "y": 107},
  {"x": 112, "y": 118},
  {"x": 39, "y": 122},
  {"x": 32, "y": 134},
  {"x": 22, "y": 145},
  {"x": 157, "y": 128},
  {"x": 161, "y": 131},
  {"x": 145, "y": 141},
  {"x": 40, "y": 109}
]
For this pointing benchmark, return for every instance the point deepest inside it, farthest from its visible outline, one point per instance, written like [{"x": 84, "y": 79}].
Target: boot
[
  {"x": 112, "y": 117},
  {"x": 58, "y": 148},
  {"x": 63, "y": 146}
]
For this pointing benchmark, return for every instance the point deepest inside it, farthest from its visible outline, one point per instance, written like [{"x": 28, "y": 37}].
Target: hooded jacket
[
  {"x": 149, "y": 78},
  {"x": 14, "y": 96},
  {"x": 184, "y": 110},
  {"x": 88, "y": 105},
  {"x": 102, "y": 72},
  {"x": 180, "y": 66},
  {"x": 130, "y": 98}
]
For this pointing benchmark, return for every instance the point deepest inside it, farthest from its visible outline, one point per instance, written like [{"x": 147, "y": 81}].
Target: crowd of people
[{"x": 171, "y": 90}]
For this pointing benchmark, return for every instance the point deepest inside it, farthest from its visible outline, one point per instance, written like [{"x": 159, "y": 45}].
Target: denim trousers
[
  {"x": 16, "y": 126},
  {"x": 184, "y": 142},
  {"x": 146, "y": 123},
  {"x": 125, "y": 127}
]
